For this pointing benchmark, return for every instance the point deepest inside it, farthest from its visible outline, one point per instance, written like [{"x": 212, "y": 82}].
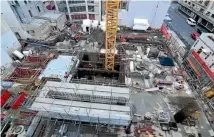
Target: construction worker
[{"x": 66, "y": 75}]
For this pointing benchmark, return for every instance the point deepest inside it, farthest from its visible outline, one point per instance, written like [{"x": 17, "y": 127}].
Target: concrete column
[
  {"x": 86, "y": 7},
  {"x": 69, "y": 13},
  {"x": 100, "y": 10},
  {"x": 57, "y": 9}
]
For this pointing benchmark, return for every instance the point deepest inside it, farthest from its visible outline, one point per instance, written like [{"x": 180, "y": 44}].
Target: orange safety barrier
[
  {"x": 193, "y": 67},
  {"x": 4, "y": 97},
  {"x": 18, "y": 102},
  {"x": 204, "y": 66}
]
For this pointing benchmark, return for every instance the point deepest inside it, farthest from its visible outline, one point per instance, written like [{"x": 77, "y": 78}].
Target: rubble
[{"x": 156, "y": 84}]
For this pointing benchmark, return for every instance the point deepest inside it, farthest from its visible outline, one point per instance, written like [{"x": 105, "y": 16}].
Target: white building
[
  {"x": 153, "y": 11},
  {"x": 9, "y": 43},
  {"x": 30, "y": 19},
  {"x": 57, "y": 20},
  {"x": 38, "y": 28},
  {"x": 76, "y": 10},
  {"x": 202, "y": 11},
  {"x": 200, "y": 60},
  {"x": 204, "y": 46}
]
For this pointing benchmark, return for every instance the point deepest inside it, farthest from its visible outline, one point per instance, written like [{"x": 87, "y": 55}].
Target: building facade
[
  {"x": 19, "y": 13},
  {"x": 202, "y": 11},
  {"x": 9, "y": 43},
  {"x": 31, "y": 19},
  {"x": 200, "y": 61},
  {"x": 77, "y": 10},
  {"x": 153, "y": 11}
]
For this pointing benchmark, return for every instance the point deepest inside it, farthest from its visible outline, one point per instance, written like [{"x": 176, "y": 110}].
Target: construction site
[{"x": 90, "y": 81}]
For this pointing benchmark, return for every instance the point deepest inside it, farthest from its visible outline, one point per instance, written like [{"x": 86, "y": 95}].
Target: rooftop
[
  {"x": 37, "y": 22},
  {"x": 51, "y": 15},
  {"x": 57, "y": 68}
]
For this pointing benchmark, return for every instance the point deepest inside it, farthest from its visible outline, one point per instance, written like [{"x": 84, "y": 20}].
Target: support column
[
  {"x": 86, "y": 7},
  {"x": 100, "y": 10},
  {"x": 69, "y": 13},
  {"x": 57, "y": 9}
]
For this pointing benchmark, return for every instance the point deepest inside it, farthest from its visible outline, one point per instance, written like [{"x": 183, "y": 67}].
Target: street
[{"x": 179, "y": 25}]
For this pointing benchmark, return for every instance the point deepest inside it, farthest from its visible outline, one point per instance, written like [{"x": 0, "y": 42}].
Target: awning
[
  {"x": 204, "y": 66},
  {"x": 4, "y": 97},
  {"x": 19, "y": 101},
  {"x": 193, "y": 67}
]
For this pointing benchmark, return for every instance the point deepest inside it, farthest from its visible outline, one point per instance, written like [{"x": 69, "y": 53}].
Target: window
[
  {"x": 17, "y": 35},
  {"x": 65, "y": 9},
  {"x": 25, "y": 1},
  {"x": 193, "y": 5},
  {"x": 79, "y": 16},
  {"x": 208, "y": 13},
  {"x": 76, "y": 1},
  {"x": 30, "y": 13},
  {"x": 17, "y": 3},
  {"x": 189, "y": 3},
  {"x": 90, "y": 1},
  {"x": 206, "y": 3},
  {"x": 28, "y": 31},
  {"x": 38, "y": 9},
  {"x": 78, "y": 9},
  {"x": 212, "y": 65},
  {"x": 91, "y": 16},
  {"x": 91, "y": 8},
  {"x": 195, "y": 43},
  {"x": 185, "y": 1},
  {"x": 29, "y": 1},
  {"x": 212, "y": 15},
  {"x": 123, "y": 5},
  {"x": 201, "y": 10},
  {"x": 200, "y": 1},
  {"x": 62, "y": 6}
]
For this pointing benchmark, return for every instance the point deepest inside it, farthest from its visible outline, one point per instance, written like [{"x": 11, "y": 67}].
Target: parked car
[
  {"x": 195, "y": 35},
  {"x": 191, "y": 22}
]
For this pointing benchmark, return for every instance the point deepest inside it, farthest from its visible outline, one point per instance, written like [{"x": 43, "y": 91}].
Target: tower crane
[{"x": 112, "y": 7}]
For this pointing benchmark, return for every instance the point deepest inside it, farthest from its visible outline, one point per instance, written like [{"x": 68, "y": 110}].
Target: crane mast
[{"x": 112, "y": 7}]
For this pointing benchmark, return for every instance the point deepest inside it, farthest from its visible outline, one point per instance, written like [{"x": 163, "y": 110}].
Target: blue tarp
[{"x": 166, "y": 61}]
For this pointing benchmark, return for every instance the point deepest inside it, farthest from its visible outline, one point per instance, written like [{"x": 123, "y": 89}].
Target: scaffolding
[
  {"x": 92, "y": 104},
  {"x": 86, "y": 93},
  {"x": 22, "y": 75},
  {"x": 197, "y": 69},
  {"x": 35, "y": 61}
]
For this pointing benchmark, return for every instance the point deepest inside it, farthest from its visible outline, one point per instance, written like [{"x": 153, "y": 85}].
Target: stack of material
[
  {"x": 140, "y": 24},
  {"x": 164, "y": 117}
]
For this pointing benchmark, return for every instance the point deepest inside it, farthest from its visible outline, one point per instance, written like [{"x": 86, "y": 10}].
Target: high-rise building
[
  {"x": 202, "y": 11},
  {"x": 80, "y": 9}
]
